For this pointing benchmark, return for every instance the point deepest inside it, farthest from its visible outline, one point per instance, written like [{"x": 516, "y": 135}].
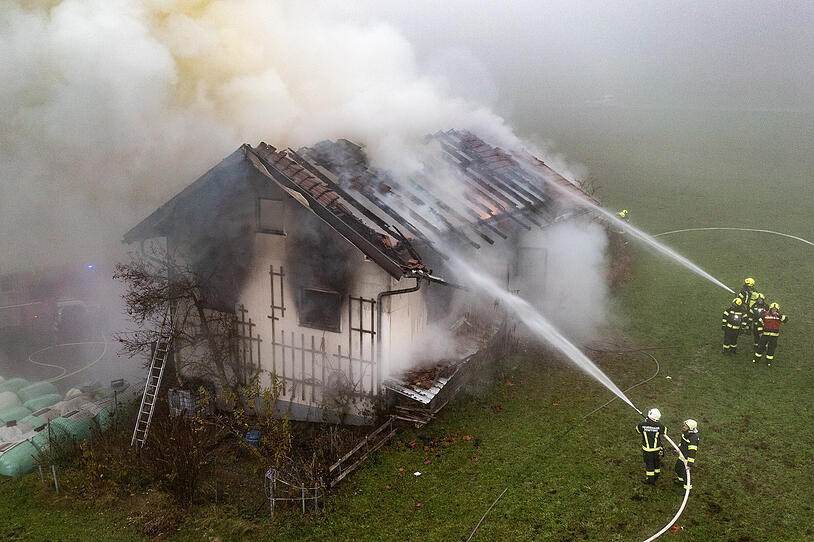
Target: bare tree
[{"x": 205, "y": 340}]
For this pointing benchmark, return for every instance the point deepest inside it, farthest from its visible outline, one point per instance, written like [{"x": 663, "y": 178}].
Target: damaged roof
[{"x": 384, "y": 217}]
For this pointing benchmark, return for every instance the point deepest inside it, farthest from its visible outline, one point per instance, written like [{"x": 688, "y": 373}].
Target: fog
[{"x": 730, "y": 54}]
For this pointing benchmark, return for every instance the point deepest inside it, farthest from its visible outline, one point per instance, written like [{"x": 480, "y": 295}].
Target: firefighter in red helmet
[{"x": 769, "y": 328}]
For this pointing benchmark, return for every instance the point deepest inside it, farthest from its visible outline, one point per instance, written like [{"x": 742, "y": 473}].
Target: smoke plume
[{"x": 109, "y": 107}]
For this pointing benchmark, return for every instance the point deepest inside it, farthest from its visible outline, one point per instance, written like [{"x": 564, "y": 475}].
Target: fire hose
[
  {"x": 686, "y": 493},
  {"x": 65, "y": 373},
  {"x": 559, "y": 437},
  {"x": 806, "y": 241}
]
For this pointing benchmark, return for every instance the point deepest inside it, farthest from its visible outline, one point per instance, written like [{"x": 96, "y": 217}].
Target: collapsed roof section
[
  {"x": 379, "y": 241},
  {"x": 463, "y": 190}
]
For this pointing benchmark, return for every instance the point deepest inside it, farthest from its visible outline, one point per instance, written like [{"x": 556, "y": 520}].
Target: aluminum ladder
[{"x": 153, "y": 384}]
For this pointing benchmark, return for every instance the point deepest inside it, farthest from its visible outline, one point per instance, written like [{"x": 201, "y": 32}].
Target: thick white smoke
[
  {"x": 109, "y": 107},
  {"x": 570, "y": 286}
]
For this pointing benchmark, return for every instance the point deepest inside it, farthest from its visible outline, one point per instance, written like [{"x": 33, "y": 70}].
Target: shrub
[{"x": 176, "y": 454}]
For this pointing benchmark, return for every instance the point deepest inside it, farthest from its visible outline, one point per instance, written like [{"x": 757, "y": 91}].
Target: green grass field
[{"x": 577, "y": 478}]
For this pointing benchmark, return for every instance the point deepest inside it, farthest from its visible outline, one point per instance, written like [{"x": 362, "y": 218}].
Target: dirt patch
[{"x": 714, "y": 508}]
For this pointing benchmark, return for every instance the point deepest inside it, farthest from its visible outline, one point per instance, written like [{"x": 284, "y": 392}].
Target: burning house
[{"x": 336, "y": 272}]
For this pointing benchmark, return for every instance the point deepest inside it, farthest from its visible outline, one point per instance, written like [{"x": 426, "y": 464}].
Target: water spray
[
  {"x": 647, "y": 239},
  {"x": 635, "y": 232},
  {"x": 536, "y": 322}
]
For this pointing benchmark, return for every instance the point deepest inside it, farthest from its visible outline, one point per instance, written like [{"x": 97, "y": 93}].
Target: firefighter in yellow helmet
[
  {"x": 769, "y": 328},
  {"x": 624, "y": 216},
  {"x": 689, "y": 449},
  {"x": 731, "y": 323},
  {"x": 745, "y": 295}
]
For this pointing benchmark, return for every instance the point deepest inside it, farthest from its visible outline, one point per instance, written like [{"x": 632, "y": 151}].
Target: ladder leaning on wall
[{"x": 153, "y": 384}]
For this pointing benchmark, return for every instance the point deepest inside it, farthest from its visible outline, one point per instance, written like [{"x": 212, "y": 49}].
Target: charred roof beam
[
  {"x": 387, "y": 263},
  {"x": 450, "y": 227},
  {"x": 387, "y": 228}
]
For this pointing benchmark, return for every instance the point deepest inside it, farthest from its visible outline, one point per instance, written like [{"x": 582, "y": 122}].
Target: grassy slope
[
  {"x": 757, "y": 432},
  {"x": 29, "y": 511}
]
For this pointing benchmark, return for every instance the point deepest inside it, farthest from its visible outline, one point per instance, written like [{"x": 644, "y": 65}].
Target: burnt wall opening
[{"x": 320, "y": 266}]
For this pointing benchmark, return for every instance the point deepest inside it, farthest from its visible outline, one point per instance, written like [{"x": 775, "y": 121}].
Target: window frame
[
  {"x": 259, "y": 206},
  {"x": 313, "y": 325}
]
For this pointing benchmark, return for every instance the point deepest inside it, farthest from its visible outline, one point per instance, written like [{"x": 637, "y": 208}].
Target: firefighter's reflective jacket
[
  {"x": 733, "y": 317},
  {"x": 651, "y": 432},
  {"x": 689, "y": 445},
  {"x": 745, "y": 295},
  {"x": 770, "y": 323},
  {"x": 758, "y": 310}
]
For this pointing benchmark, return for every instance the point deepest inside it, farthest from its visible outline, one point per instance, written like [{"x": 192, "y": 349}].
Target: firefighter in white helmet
[
  {"x": 689, "y": 448},
  {"x": 651, "y": 430}
]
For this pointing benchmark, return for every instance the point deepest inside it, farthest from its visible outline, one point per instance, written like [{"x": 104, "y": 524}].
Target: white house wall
[{"x": 317, "y": 368}]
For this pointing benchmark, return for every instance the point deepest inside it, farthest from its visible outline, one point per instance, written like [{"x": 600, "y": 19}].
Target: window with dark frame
[
  {"x": 320, "y": 309},
  {"x": 270, "y": 215}
]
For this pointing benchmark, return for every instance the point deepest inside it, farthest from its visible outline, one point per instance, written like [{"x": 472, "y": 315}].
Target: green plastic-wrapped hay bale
[
  {"x": 14, "y": 414},
  {"x": 73, "y": 392},
  {"x": 41, "y": 440},
  {"x": 9, "y": 399},
  {"x": 37, "y": 389},
  {"x": 34, "y": 421},
  {"x": 13, "y": 384},
  {"x": 19, "y": 460},
  {"x": 42, "y": 401},
  {"x": 77, "y": 428},
  {"x": 105, "y": 417}
]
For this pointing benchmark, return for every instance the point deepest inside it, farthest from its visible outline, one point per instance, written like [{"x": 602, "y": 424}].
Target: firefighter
[
  {"x": 688, "y": 447},
  {"x": 769, "y": 329},
  {"x": 731, "y": 323},
  {"x": 747, "y": 309},
  {"x": 624, "y": 216},
  {"x": 745, "y": 295},
  {"x": 651, "y": 430},
  {"x": 756, "y": 312}
]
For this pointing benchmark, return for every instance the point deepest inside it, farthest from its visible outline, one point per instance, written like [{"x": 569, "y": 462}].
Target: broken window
[
  {"x": 271, "y": 214},
  {"x": 320, "y": 309}
]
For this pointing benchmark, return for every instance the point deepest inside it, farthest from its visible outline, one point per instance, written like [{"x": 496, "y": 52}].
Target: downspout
[{"x": 379, "y": 297}]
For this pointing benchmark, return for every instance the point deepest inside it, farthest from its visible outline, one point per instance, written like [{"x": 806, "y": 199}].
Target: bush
[
  {"x": 252, "y": 407},
  {"x": 176, "y": 454}
]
